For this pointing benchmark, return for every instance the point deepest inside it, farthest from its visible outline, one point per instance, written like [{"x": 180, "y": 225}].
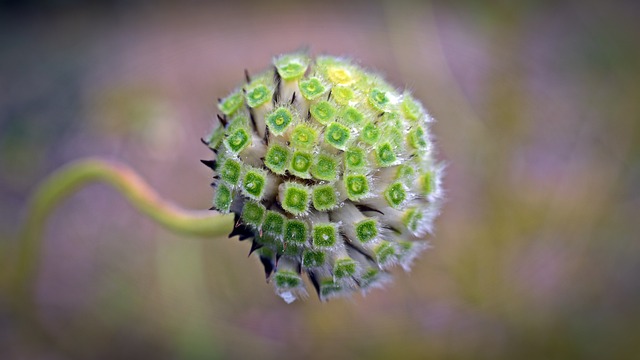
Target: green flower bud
[
  {"x": 258, "y": 96},
  {"x": 323, "y": 112},
  {"x": 253, "y": 214},
  {"x": 324, "y": 197},
  {"x": 313, "y": 258},
  {"x": 325, "y": 167},
  {"x": 311, "y": 89},
  {"x": 352, "y": 117},
  {"x": 291, "y": 66},
  {"x": 396, "y": 195},
  {"x": 324, "y": 235},
  {"x": 223, "y": 198},
  {"x": 344, "y": 268},
  {"x": 357, "y": 186},
  {"x": 385, "y": 155},
  {"x": 254, "y": 183},
  {"x": 342, "y": 94},
  {"x": 238, "y": 140},
  {"x": 385, "y": 253},
  {"x": 366, "y": 230},
  {"x": 273, "y": 224},
  {"x": 300, "y": 164},
  {"x": 230, "y": 171},
  {"x": 379, "y": 100},
  {"x": 411, "y": 109},
  {"x": 294, "y": 198},
  {"x": 337, "y": 135},
  {"x": 279, "y": 120},
  {"x": 303, "y": 136},
  {"x": 296, "y": 232},
  {"x": 329, "y": 170},
  {"x": 370, "y": 133},
  {"x": 231, "y": 103},
  {"x": 277, "y": 158},
  {"x": 355, "y": 159}
]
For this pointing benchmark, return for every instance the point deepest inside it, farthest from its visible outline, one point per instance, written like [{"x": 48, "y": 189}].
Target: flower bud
[{"x": 329, "y": 171}]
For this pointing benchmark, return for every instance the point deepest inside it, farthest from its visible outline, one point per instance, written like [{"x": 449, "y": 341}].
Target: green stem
[{"x": 123, "y": 179}]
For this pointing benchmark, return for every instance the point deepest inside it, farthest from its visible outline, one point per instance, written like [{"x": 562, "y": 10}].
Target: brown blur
[{"x": 536, "y": 254}]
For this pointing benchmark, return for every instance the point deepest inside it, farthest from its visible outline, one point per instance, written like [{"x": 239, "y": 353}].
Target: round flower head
[{"x": 329, "y": 171}]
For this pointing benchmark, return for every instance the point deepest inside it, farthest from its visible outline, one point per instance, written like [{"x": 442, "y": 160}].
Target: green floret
[
  {"x": 355, "y": 159},
  {"x": 406, "y": 173},
  {"x": 324, "y": 235},
  {"x": 412, "y": 219},
  {"x": 258, "y": 95},
  {"x": 385, "y": 156},
  {"x": 279, "y": 120},
  {"x": 370, "y": 276},
  {"x": 392, "y": 120},
  {"x": 253, "y": 214},
  {"x": 417, "y": 138},
  {"x": 304, "y": 136},
  {"x": 238, "y": 140},
  {"x": 396, "y": 138},
  {"x": 357, "y": 186},
  {"x": 338, "y": 71},
  {"x": 230, "y": 171},
  {"x": 273, "y": 224},
  {"x": 404, "y": 247},
  {"x": 344, "y": 267},
  {"x": 325, "y": 167},
  {"x": 385, "y": 252},
  {"x": 236, "y": 122},
  {"x": 366, "y": 230},
  {"x": 313, "y": 258},
  {"x": 300, "y": 164},
  {"x": 277, "y": 158},
  {"x": 395, "y": 194},
  {"x": 223, "y": 198},
  {"x": 324, "y": 198},
  {"x": 292, "y": 250},
  {"x": 427, "y": 183},
  {"x": 291, "y": 66},
  {"x": 269, "y": 242},
  {"x": 231, "y": 103},
  {"x": 342, "y": 94},
  {"x": 287, "y": 279},
  {"x": 323, "y": 112},
  {"x": 296, "y": 231},
  {"x": 411, "y": 108},
  {"x": 312, "y": 89},
  {"x": 295, "y": 198},
  {"x": 378, "y": 99},
  {"x": 407, "y": 251},
  {"x": 254, "y": 183},
  {"x": 216, "y": 137},
  {"x": 352, "y": 117},
  {"x": 370, "y": 134},
  {"x": 337, "y": 135},
  {"x": 328, "y": 287}
]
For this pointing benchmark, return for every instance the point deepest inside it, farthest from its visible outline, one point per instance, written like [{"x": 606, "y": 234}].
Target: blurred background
[{"x": 536, "y": 254}]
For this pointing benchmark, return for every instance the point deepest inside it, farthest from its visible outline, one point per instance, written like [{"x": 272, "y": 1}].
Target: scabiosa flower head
[{"x": 329, "y": 171}]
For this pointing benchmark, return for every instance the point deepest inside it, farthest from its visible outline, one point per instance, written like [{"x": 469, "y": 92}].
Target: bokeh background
[{"x": 536, "y": 254}]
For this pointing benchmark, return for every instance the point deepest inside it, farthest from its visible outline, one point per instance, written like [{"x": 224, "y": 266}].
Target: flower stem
[{"x": 124, "y": 180}]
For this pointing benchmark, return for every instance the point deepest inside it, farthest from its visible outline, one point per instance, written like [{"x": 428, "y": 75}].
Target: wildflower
[{"x": 329, "y": 171}]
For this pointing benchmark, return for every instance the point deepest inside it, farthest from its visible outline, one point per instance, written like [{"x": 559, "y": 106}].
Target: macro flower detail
[{"x": 330, "y": 172}]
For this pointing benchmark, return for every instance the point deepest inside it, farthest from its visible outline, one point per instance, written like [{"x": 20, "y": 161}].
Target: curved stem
[{"x": 123, "y": 179}]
